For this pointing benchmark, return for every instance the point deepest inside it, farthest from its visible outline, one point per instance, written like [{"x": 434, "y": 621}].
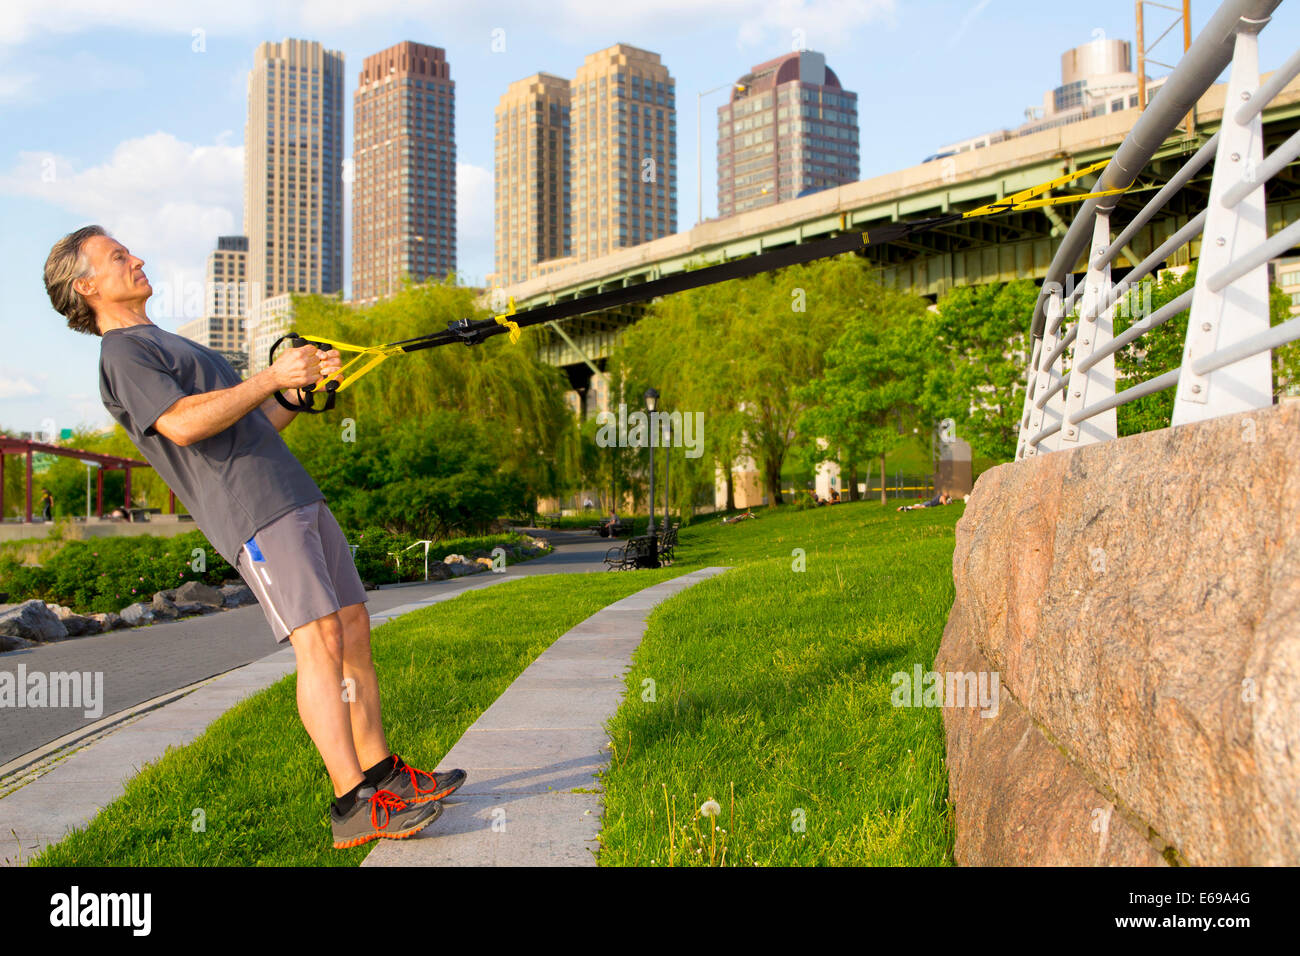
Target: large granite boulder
[
  {"x": 1139, "y": 600},
  {"x": 108, "y": 621},
  {"x": 31, "y": 621}
]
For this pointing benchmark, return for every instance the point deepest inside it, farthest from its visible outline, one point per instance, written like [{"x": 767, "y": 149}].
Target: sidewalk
[{"x": 532, "y": 757}]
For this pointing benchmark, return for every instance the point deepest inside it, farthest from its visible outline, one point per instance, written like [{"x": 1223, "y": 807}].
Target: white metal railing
[{"x": 1227, "y": 355}]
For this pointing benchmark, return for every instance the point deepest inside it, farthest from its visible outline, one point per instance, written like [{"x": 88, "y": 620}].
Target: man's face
[{"x": 117, "y": 277}]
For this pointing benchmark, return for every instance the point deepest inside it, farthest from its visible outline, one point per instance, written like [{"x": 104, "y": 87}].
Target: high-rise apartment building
[
  {"x": 293, "y": 170},
  {"x": 532, "y": 198},
  {"x": 789, "y": 129},
  {"x": 404, "y": 170},
  {"x": 623, "y": 152},
  {"x": 223, "y": 326}
]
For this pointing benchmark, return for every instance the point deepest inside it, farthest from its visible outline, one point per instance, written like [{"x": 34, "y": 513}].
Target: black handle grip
[{"x": 296, "y": 341}]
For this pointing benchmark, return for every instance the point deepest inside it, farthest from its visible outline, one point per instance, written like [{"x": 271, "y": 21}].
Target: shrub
[{"x": 107, "y": 574}]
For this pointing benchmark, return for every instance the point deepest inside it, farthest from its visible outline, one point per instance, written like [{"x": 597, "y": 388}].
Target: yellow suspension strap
[
  {"x": 366, "y": 358},
  {"x": 1025, "y": 199},
  {"x": 504, "y": 319}
]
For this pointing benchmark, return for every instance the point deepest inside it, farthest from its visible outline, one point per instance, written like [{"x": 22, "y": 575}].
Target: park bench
[
  {"x": 621, "y": 527},
  {"x": 668, "y": 544},
  {"x": 640, "y": 552},
  {"x": 548, "y": 521}
]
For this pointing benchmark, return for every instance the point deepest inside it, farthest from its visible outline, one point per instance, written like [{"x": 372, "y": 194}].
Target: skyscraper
[
  {"x": 225, "y": 302},
  {"x": 789, "y": 129},
  {"x": 623, "y": 154},
  {"x": 532, "y": 147},
  {"x": 404, "y": 164},
  {"x": 293, "y": 173}
]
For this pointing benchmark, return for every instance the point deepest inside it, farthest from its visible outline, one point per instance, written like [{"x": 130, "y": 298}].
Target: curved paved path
[{"x": 540, "y": 741}]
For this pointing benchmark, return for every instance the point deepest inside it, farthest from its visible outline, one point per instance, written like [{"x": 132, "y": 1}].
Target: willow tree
[{"x": 511, "y": 401}]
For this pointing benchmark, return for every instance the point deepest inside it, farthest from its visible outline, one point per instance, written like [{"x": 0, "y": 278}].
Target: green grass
[
  {"x": 259, "y": 781},
  {"x": 773, "y": 685},
  {"x": 767, "y": 680}
]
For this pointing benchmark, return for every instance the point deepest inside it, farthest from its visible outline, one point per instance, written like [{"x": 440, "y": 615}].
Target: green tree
[
  {"x": 976, "y": 368},
  {"x": 867, "y": 398}
]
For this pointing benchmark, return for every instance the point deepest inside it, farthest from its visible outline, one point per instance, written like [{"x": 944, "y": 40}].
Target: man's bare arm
[
  {"x": 196, "y": 417},
  {"x": 277, "y": 413}
]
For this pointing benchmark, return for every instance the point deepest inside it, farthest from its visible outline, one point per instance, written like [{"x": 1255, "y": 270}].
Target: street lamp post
[
  {"x": 668, "y": 458},
  {"x": 699, "y": 148},
  {"x": 89, "y": 465},
  {"x": 651, "y": 400}
]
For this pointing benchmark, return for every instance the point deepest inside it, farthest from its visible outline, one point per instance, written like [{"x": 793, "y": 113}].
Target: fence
[{"x": 1227, "y": 356}]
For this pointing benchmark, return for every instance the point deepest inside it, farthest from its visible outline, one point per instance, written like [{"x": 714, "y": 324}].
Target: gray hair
[{"x": 66, "y": 264}]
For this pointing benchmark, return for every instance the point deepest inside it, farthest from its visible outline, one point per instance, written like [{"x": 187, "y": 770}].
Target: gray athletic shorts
[{"x": 300, "y": 568}]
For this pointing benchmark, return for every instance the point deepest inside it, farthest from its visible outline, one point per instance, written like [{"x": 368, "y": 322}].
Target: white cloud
[
  {"x": 825, "y": 24},
  {"x": 16, "y": 387},
  {"x": 966, "y": 21},
  {"x": 165, "y": 199}
]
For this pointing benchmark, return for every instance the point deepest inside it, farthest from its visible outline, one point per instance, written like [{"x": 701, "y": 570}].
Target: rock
[
  {"x": 196, "y": 592},
  {"x": 486, "y": 562},
  {"x": 237, "y": 595},
  {"x": 1138, "y": 599},
  {"x": 136, "y": 614},
  {"x": 163, "y": 607},
  {"x": 463, "y": 568},
  {"x": 109, "y": 621},
  {"x": 77, "y": 624},
  {"x": 32, "y": 621},
  {"x": 439, "y": 572},
  {"x": 455, "y": 559}
]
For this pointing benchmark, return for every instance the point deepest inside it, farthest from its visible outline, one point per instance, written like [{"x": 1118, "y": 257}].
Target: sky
[{"x": 131, "y": 115}]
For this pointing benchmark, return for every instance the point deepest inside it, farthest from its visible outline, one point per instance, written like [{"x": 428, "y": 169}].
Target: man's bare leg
[
  {"x": 359, "y": 678},
  {"x": 318, "y": 647}
]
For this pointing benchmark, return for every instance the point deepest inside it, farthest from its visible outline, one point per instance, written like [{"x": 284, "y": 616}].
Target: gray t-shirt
[{"x": 235, "y": 482}]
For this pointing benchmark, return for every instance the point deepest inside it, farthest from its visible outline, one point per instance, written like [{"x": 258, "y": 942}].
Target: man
[
  {"x": 47, "y": 505},
  {"x": 214, "y": 440}
]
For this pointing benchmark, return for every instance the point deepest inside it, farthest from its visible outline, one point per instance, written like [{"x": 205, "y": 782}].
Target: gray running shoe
[{"x": 380, "y": 813}]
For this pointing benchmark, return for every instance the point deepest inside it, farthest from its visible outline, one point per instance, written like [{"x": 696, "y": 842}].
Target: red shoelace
[
  {"x": 421, "y": 773},
  {"x": 387, "y": 801}
]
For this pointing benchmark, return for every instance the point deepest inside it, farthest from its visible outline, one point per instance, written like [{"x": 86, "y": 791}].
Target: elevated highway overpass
[{"x": 975, "y": 251}]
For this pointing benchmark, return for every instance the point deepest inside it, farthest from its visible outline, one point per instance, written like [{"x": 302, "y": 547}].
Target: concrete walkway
[{"x": 539, "y": 742}]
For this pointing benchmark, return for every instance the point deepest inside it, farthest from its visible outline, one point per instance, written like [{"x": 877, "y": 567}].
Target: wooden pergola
[{"x": 21, "y": 446}]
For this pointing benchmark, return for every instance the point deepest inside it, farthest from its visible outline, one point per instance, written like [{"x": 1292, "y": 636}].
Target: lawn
[
  {"x": 771, "y": 696},
  {"x": 766, "y": 689}
]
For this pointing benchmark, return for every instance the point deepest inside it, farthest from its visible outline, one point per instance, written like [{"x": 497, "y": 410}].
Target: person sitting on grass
[
  {"x": 741, "y": 517},
  {"x": 940, "y": 499}
]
